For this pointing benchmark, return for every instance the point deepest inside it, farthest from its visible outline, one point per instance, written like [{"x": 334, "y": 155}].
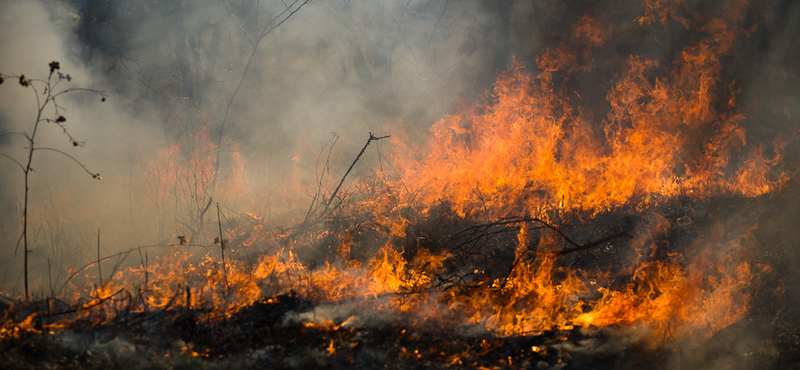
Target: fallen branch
[
  {"x": 478, "y": 232},
  {"x": 85, "y": 307}
]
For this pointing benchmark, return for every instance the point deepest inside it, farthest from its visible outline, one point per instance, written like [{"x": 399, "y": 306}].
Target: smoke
[
  {"x": 212, "y": 101},
  {"x": 30, "y": 40},
  {"x": 256, "y": 107},
  {"x": 241, "y": 103}
]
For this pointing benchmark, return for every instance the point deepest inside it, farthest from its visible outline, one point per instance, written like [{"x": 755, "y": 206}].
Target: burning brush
[{"x": 527, "y": 232}]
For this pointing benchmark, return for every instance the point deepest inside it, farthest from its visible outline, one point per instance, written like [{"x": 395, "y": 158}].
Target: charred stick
[
  {"x": 50, "y": 276},
  {"x": 561, "y": 253},
  {"x": 121, "y": 255},
  {"x": 188, "y": 298},
  {"x": 23, "y": 344},
  {"x": 509, "y": 221},
  {"x": 341, "y": 182},
  {"x": 99, "y": 270},
  {"x": 311, "y": 207},
  {"x": 595, "y": 243},
  {"x": 172, "y": 300},
  {"x": 477, "y": 192},
  {"x": 448, "y": 210},
  {"x": 86, "y": 307},
  {"x": 485, "y": 236},
  {"x": 315, "y": 203},
  {"x": 305, "y": 224},
  {"x": 222, "y": 250},
  {"x": 120, "y": 258},
  {"x": 145, "y": 262},
  {"x": 513, "y": 266}
]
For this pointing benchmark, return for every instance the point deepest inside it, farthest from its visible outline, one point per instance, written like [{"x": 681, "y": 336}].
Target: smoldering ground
[{"x": 202, "y": 107}]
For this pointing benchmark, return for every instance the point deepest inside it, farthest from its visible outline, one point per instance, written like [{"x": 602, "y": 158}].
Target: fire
[
  {"x": 676, "y": 301},
  {"x": 530, "y": 150}
]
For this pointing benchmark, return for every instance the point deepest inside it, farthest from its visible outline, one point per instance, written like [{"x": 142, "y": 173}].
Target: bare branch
[
  {"x": 239, "y": 25},
  {"x": 15, "y": 161},
  {"x": 400, "y": 30},
  {"x": 94, "y": 175},
  {"x": 16, "y": 133},
  {"x": 336, "y": 191},
  {"x": 291, "y": 12},
  {"x": 77, "y": 89}
]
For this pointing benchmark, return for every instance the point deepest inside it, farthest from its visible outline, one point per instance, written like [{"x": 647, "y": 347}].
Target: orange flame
[{"x": 529, "y": 149}]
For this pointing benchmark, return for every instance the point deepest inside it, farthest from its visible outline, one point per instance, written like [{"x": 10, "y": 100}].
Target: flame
[{"x": 531, "y": 149}]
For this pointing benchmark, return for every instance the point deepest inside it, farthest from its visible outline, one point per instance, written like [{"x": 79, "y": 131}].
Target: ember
[{"x": 603, "y": 206}]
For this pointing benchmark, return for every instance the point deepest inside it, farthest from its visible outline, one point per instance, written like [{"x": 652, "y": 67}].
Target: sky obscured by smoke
[
  {"x": 317, "y": 74},
  {"x": 323, "y": 72}
]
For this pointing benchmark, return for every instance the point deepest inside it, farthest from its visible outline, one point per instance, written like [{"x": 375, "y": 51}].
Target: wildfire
[{"x": 529, "y": 153}]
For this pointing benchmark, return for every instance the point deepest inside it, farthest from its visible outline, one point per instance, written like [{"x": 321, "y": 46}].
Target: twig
[
  {"x": 172, "y": 300},
  {"x": 262, "y": 34},
  {"x": 477, "y": 192},
  {"x": 222, "y": 250},
  {"x": 598, "y": 242},
  {"x": 48, "y": 96},
  {"x": 124, "y": 253},
  {"x": 99, "y": 269},
  {"x": 305, "y": 224},
  {"x": 341, "y": 182},
  {"x": 13, "y": 159},
  {"x": 144, "y": 261},
  {"x": 516, "y": 220},
  {"x": 87, "y": 306},
  {"x": 484, "y": 232}
]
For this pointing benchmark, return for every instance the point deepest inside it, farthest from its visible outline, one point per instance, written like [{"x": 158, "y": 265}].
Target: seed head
[
  {"x": 61, "y": 119},
  {"x": 23, "y": 81},
  {"x": 54, "y": 66}
]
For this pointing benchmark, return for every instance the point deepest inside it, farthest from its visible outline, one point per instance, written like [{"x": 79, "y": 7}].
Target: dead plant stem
[
  {"x": 341, "y": 182},
  {"x": 222, "y": 250},
  {"x": 99, "y": 268}
]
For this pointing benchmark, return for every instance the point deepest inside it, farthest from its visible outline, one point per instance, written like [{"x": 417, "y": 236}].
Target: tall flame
[
  {"x": 529, "y": 149},
  {"x": 670, "y": 130}
]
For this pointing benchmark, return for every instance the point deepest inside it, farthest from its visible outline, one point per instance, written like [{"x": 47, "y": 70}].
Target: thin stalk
[
  {"x": 27, "y": 171},
  {"x": 222, "y": 250},
  {"x": 271, "y": 26},
  {"x": 99, "y": 269},
  {"x": 49, "y": 97},
  {"x": 341, "y": 182}
]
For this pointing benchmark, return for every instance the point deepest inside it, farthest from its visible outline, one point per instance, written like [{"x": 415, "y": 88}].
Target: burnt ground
[
  {"x": 276, "y": 333},
  {"x": 260, "y": 337}
]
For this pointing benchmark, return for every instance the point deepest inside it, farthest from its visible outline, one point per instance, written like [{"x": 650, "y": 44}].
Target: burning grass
[
  {"x": 525, "y": 235},
  {"x": 480, "y": 294}
]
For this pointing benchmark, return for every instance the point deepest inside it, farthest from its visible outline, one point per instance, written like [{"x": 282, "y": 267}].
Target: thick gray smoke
[
  {"x": 256, "y": 105},
  {"x": 260, "y": 90},
  {"x": 240, "y": 102}
]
